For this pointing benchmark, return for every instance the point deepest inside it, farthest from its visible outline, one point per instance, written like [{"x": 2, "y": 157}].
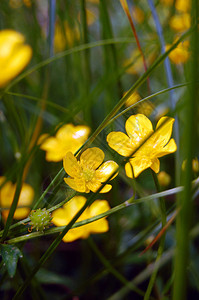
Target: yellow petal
[
  {"x": 63, "y": 216},
  {"x": 169, "y": 148},
  {"x": 71, "y": 165},
  {"x": 106, "y": 188},
  {"x": 104, "y": 172},
  {"x": 140, "y": 164},
  {"x": 155, "y": 166},
  {"x": 77, "y": 184},
  {"x": 163, "y": 131},
  {"x": 138, "y": 128},
  {"x": 120, "y": 142},
  {"x": 129, "y": 170},
  {"x": 92, "y": 158},
  {"x": 14, "y": 55}
]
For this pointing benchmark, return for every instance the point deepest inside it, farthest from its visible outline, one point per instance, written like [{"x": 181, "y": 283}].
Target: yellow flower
[
  {"x": 145, "y": 108},
  {"x": 65, "y": 36},
  {"x": 164, "y": 178},
  {"x": 156, "y": 144},
  {"x": 7, "y": 192},
  {"x": 182, "y": 5},
  {"x": 132, "y": 99},
  {"x": 138, "y": 14},
  {"x": 68, "y": 138},
  {"x": 195, "y": 165},
  {"x": 180, "y": 54},
  {"x": 136, "y": 60},
  {"x": 180, "y": 22},
  {"x": 89, "y": 173},
  {"x": 14, "y": 55},
  {"x": 63, "y": 216}
]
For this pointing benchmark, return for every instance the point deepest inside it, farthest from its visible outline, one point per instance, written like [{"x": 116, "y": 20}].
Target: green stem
[
  {"x": 14, "y": 203},
  {"x": 111, "y": 269},
  {"x": 184, "y": 200},
  {"x": 162, "y": 240}
]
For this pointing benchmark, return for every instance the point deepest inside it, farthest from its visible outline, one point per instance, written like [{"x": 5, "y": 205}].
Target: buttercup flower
[
  {"x": 89, "y": 172},
  {"x": 145, "y": 108},
  {"x": 180, "y": 22},
  {"x": 164, "y": 178},
  {"x": 180, "y": 54},
  {"x": 14, "y": 55},
  {"x": 155, "y": 144},
  {"x": 65, "y": 36},
  {"x": 63, "y": 216},
  {"x": 7, "y": 192},
  {"x": 67, "y": 138}
]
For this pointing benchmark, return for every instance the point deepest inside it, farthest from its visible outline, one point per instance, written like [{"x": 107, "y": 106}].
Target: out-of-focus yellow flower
[
  {"x": 155, "y": 144},
  {"x": 180, "y": 54},
  {"x": 164, "y": 178},
  {"x": 138, "y": 14},
  {"x": 89, "y": 173},
  {"x": 7, "y": 192},
  {"x": 63, "y": 216},
  {"x": 18, "y": 3},
  {"x": 68, "y": 138},
  {"x": 145, "y": 108},
  {"x": 65, "y": 36},
  {"x": 180, "y": 22},
  {"x": 195, "y": 165},
  {"x": 167, "y": 2},
  {"x": 182, "y": 5},
  {"x": 90, "y": 17},
  {"x": 14, "y": 55},
  {"x": 133, "y": 98},
  {"x": 136, "y": 60}
]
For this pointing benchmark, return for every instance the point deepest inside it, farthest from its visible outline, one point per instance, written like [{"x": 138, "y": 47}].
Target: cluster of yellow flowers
[
  {"x": 142, "y": 146},
  {"x": 180, "y": 22}
]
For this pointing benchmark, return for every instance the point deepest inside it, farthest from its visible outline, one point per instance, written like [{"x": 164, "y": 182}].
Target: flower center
[{"x": 88, "y": 174}]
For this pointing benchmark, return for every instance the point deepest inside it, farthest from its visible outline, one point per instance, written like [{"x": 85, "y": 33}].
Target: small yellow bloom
[
  {"x": 63, "y": 216},
  {"x": 182, "y": 5},
  {"x": 89, "y": 173},
  {"x": 14, "y": 55},
  {"x": 7, "y": 192},
  {"x": 68, "y": 138},
  {"x": 133, "y": 98},
  {"x": 136, "y": 60},
  {"x": 138, "y": 14},
  {"x": 145, "y": 108},
  {"x": 180, "y": 54},
  {"x": 164, "y": 178},
  {"x": 180, "y": 22},
  {"x": 195, "y": 165},
  {"x": 155, "y": 144},
  {"x": 65, "y": 36}
]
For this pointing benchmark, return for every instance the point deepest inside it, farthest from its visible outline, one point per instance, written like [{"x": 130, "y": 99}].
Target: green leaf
[{"x": 10, "y": 255}]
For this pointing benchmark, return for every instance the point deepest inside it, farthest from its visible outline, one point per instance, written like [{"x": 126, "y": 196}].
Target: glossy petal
[
  {"x": 7, "y": 192},
  {"x": 129, "y": 170},
  {"x": 71, "y": 165},
  {"x": 155, "y": 166},
  {"x": 138, "y": 127},
  {"x": 104, "y": 172},
  {"x": 106, "y": 188},
  {"x": 163, "y": 130},
  {"x": 140, "y": 164},
  {"x": 120, "y": 142},
  {"x": 169, "y": 148},
  {"x": 63, "y": 216},
  {"x": 92, "y": 158},
  {"x": 77, "y": 184},
  {"x": 14, "y": 55}
]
